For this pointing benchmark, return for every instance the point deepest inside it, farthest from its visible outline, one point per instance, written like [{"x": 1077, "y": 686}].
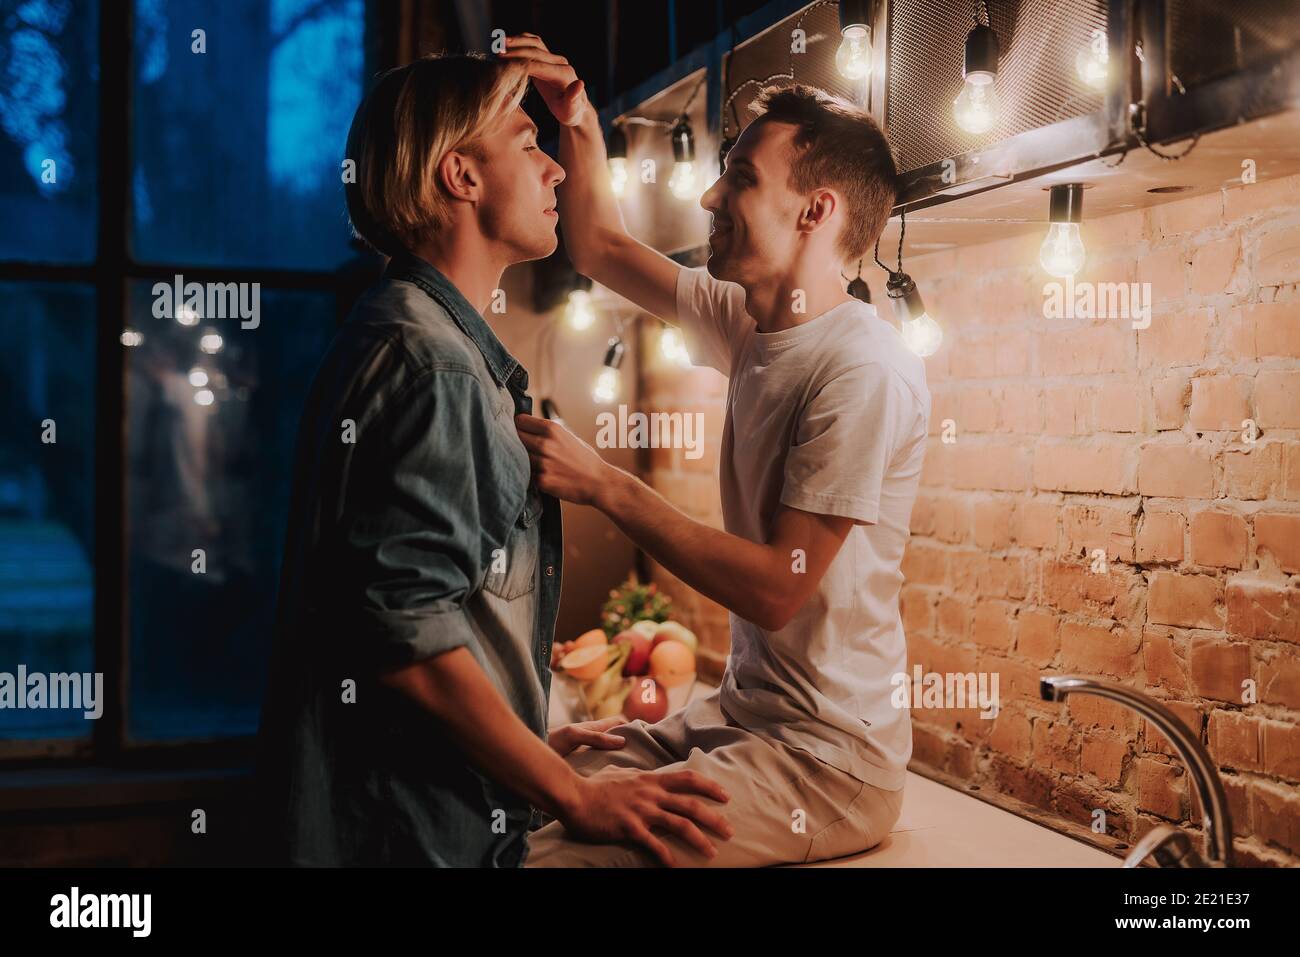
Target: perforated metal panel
[
  {"x": 1037, "y": 82},
  {"x": 1210, "y": 39}
]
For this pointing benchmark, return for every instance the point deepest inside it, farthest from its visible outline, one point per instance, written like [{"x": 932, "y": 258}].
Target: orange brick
[
  {"x": 1277, "y": 260},
  {"x": 954, "y": 618},
  {"x": 1188, "y": 601},
  {"x": 1036, "y": 523},
  {"x": 1177, "y": 338},
  {"x": 1036, "y": 636},
  {"x": 1218, "y": 668},
  {"x": 916, "y": 611},
  {"x": 1259, "y": 608},
  {"x": 951, "y": 519},
  {"x": 1166, "y": 270},
  {"x": 1264, "y": 329},
  {"x": 1213, "y": 265},
  {"x": 1067, "y": 411},
  {"x": 1098, "y": 468},
  {"x": 1160, "y": 537},
  {"x": 1277, "y": 399},
  {"x": 1253, "y": 472},
  {"x": 1188, "y": 715},
  {"x": 976, "y": 410},
  {"x": 1275, "y": 813},
  {"x": 1233, "y": 740},
  {"x": 1073, "y": 587},
  {"x": 991, "y": 523},
  {"x": 1117, "y": 407},
  {"x": 1103, "y": 757},
  {"x": 1219, "y": 539},
  {"x": 998, "y": 467},
  {"x": 1163, "y": 661},
  {"x": 1220, "y": 402},
  {"x": 1086, "y": 351},
  {"x": 1056, "y": 746},
  {"x": 1171, "y": 395},
  {"x": 1021, "y": 409},
  {"x": 992, "y": 625},
  {"x": 1282, "y": 750},
  {"x": 1279, "y": 681},
  {"x": 1267, "y": 197},
  {"x": 1278, "y": 534},
  {"x": 1160, "y": 788},
  {"x": 924, "y": 564},
  {"x": 1291, "y": 483},
  {"x": 1175, "y": 471},
  {"x": 1099, "y": 650},
  {"x": 1011, "y": 734},
  {"x": 1188, "y": 215},
  {"x": 1100, "y": 526}
]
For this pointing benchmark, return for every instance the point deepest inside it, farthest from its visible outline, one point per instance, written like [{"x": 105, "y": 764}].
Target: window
[{"x": 145, "y": 455}]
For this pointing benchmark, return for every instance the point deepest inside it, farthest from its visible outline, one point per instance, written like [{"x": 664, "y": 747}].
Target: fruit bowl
[{"x": 646, "y": 672}]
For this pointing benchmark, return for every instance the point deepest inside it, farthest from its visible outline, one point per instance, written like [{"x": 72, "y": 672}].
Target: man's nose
[
  {"x": 711, "y": 200},
  {"x": 554, "y": 175}
]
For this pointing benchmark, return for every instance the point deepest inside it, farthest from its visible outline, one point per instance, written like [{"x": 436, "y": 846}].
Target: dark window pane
[
  {"x": 47, "y": 381},
  {"x": 210, "y": 439},
  {"x": 49, "y": 119},
  {"x": 238, "y": 149}
]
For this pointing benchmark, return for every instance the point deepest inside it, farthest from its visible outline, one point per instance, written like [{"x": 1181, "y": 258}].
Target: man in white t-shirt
[{"x": 824, "y": 436}]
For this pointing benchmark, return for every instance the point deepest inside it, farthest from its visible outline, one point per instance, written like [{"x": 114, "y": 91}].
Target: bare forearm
[
  {"x": 588, "y": 208},
  {"x": 455, "y": 689},
  {"x": 736, "y": 573}
]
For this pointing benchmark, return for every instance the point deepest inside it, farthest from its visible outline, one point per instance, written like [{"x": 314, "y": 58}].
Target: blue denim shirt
[{"x": 414, "y": 529}]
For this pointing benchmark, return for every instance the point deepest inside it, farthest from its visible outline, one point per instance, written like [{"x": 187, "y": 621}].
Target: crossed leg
[{"x": 786, "y": 806}]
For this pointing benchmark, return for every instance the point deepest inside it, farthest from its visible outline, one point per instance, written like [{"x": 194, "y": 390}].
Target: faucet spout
[{"x": 1205, "y": 778}]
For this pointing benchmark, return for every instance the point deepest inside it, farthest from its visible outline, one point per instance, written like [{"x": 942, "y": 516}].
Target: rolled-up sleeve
[{"x": 430, "y": 504}]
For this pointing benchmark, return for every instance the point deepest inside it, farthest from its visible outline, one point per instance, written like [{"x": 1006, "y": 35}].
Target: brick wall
[{"x": 1073, "y": 440}]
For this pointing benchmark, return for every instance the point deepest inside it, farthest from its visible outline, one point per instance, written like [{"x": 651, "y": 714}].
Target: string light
[
  {"x": 921, "y": 333},
  {"x": 853, "y": 58},
  {"x": 1062, "y": 253},
  {"x": 198, "y": 377},
  {"x": 608, "y": 382},
  {"x": 682, "y": 183},
  {"x": 130, "y": 338},
  {"x": 1093, "y": 61},
  {"x": 672, "y": 348},
  {"x": 211, "y": 342},
  {"x": 976, "y": 108},
  {"x": 617, "y": 152},
  {"x": 579, "y": 312}
]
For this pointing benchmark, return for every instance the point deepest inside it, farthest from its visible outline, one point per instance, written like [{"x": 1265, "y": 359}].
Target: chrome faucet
[{"x": 1169, "y": 846}]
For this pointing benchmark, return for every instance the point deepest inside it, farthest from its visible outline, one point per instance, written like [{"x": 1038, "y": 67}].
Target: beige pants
[{"x": 786, "y": 806}]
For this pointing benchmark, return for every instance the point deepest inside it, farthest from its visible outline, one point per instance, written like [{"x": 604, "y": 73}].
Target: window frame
[{"x": 111, "y": 274}]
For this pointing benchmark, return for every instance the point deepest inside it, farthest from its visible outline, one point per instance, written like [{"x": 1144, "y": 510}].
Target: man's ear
[
  {"x": 818, "y": 210},
  {"x": 459, "y": 175}
]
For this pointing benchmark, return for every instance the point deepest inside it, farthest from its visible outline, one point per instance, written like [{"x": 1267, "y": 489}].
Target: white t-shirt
[{"x": 830, "y": 417}]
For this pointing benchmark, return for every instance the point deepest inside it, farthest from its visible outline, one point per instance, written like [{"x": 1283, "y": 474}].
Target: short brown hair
[
  {"x": 412, "y": 118},
  {"x": 842, "y": 147}
]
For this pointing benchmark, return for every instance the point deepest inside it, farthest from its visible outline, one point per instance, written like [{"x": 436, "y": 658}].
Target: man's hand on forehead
[{"x": 563, "y": 93}]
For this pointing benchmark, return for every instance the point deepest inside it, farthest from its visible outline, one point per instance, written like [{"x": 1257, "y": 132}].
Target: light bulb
[
  {"x": 1093, "y": 62},
  {"x": 853, "y": 58},
  {"x": 922, "y": 335},
  {"x": 618, "y": 175},
  {"x": 203, "y": 397},
  {"x": 578, "y": 312},
  {"x": 198, "y": 377},
  {"x": 130, "y": 338},
  {"x": 672, "y": 347},
  {"x": 211, "y": 343},
  {"x": 1062, "y": 252},
  {"x": 682, "y": 181},
  {"x": 976, "y": 108},
  {"x": 606, "y": 388},
  {"x": 187, "y": 316}
]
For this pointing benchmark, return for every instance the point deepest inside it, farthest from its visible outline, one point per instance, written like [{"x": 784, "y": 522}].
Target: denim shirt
[{"x": 414, "y": 529}]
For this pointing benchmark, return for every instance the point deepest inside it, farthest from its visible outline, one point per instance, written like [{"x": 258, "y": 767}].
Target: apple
[
  {"x": 638, "y": 658},
  {"x": 646, "y": 699},
  {"x": 646, "y": 627},
  {"x": 676, "y": 631}
]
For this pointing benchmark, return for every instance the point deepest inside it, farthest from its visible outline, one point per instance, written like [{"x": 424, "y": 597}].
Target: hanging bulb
[
  {"x": 1093, "y": 61},
  {"x": 853, "y": 58},
  {"x": 211, "y": 342},
  {"x": 618, "y": 161},
  {"x": 198, "y": 377},
  {"x": 682, "y": 180},
  {"x": 607, "y": 384},
  {"x": 1062, "y": 253},
  {"x": 920, "y": 333},
  {"x": 672, "y": 347},
  {"x": 579, "y": 313},
  {"x": 976, "y": 107}
]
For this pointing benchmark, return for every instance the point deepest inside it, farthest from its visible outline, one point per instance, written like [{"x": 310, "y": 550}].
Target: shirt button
[{"x": 550, "y": 570}]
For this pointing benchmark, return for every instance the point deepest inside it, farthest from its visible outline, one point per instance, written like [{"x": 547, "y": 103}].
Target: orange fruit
[
  {"x": 672, "y": 664},
  {"x": 589, "y": 639},
  {"x": 585, "y": 664}
]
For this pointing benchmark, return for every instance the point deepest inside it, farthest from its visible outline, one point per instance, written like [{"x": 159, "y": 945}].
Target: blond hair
[
  {"x": 840, "y": 146},
  {"x": 413, "y": 117}
]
